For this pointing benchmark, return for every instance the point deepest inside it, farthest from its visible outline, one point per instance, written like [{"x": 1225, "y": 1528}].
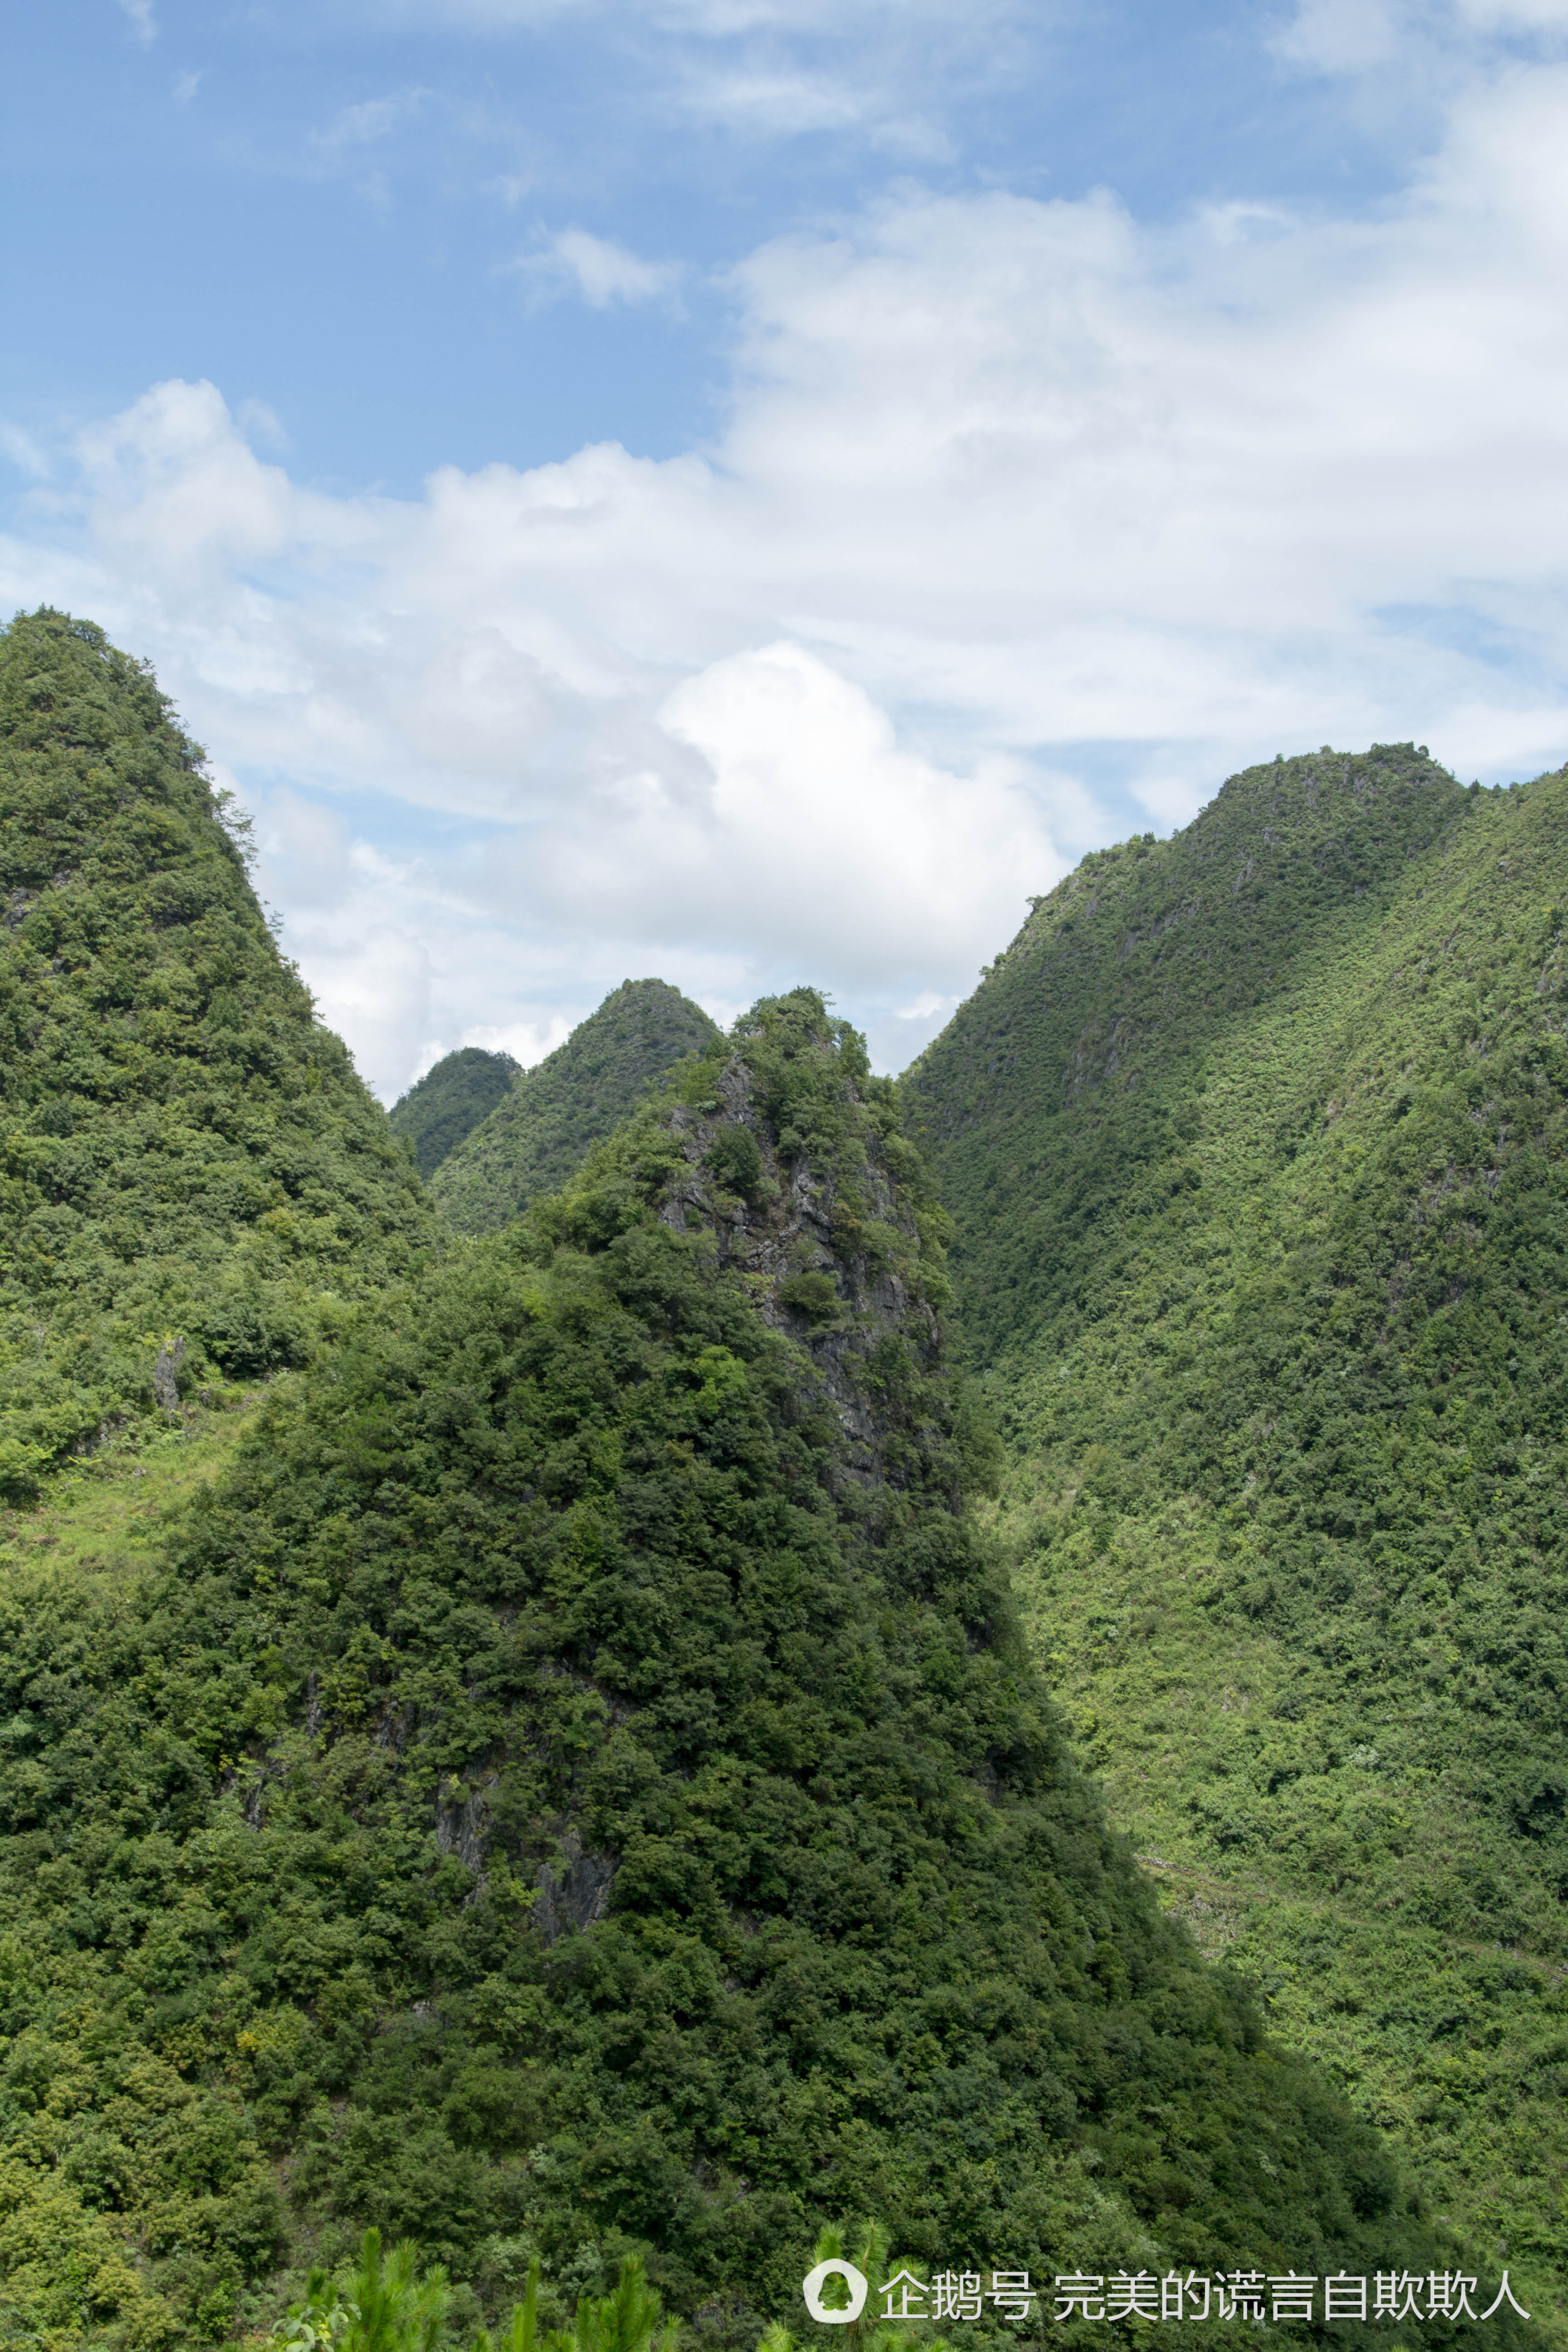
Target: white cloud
[
  {"x": 25, "y": 450},
  {"x": 144, "y": 23},
  {"x": 926, "y": 1007},
  {"x": 599, "y": 272},
  {"x": 817, "y": 844},
  {"x": 710, "y": 20},
  {"x": 1356, "y": 36},
  {"x": 1019, "y": 504},
  {"x": 351, "y": 143},
  {"x": 780, "y": 69},
  {"x": 527, "y": 1042},
  {"x": 370, "y": 120},
  {"x": 1342, "y": 36},
  {"x": 186, "y": 86}
]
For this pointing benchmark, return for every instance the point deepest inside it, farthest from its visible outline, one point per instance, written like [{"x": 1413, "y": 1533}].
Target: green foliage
[
  {"x": 192, "y": 1178},
  {"x": 577, "y": 1792},
  {"x": 389, "y": 2304},
  {"x": 1256, "y": 1145},
  {"x": 737, "y": 1161},
  {"x": 449, "y": 1101},
  {"x": 563, "y": 1785},
  {"x": 869, "y": 2251},
  {"x": 538, "y": 1134},
  {"x": 813, "y": 1295}
]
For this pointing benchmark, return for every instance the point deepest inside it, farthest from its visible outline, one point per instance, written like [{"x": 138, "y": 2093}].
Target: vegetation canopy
[
  {"x": 538, "y": 1135},
  {"x": 449, "y": 1101},
  {"x": 1257, "y": 1149},
  {"x": 192, "y": 1181},
  {"x": 562, "y": 1786}
]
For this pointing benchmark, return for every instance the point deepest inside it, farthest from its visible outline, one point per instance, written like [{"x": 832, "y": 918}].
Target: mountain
[
  {"x": 538, "y": 1135},
  {"x": 1256, "y": 1144},
  {"x": 543, "y": 1761},
  {"x": 193, "y": 1180},
  {"x": 449, "y": 1101},
  {"x": 573, "y": 1785}
]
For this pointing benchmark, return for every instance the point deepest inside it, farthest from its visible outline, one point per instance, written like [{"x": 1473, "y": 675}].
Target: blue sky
[
  {"x": 323, "y": 208},
  {"x": 750, "y": 489}
]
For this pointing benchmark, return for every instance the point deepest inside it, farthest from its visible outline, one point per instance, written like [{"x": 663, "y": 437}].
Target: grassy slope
[
  {"x": 105, "y": 1516},
  {"x": 449, "y": 1101},
  {"x": 616, "y": 1572},
  {"x": 538, "y": 1136},
  {"x": 189, "y": 1168},
  {"x": 1256, "y": 1140}
]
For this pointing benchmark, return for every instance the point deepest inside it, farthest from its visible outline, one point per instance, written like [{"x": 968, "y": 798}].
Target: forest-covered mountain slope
[
  {"x": 574, "y": 1785},
  {"x": 449, "y": 1101},
  {"x": 193, "y": 1180},
  {"x": 539, "y": 1134},
  {"x": 1256, "y": 1147}
]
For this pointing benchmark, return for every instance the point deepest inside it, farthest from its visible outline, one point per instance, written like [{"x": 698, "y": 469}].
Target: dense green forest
[
  {"x": 449, "y": 1101},
  {"x": 193, "y": 1183},
  {"x": 574, "y": 1788},
  {"x": 536, "y": 1755},
  {"x": 538, "y": 1135},
  {"x": 1255, "y": 1141}
]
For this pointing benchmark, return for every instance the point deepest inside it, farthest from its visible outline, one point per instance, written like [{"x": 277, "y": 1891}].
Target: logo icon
[{"x": 856, "y": 2280}]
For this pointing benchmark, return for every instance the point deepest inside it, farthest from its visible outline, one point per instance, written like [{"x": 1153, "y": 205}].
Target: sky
[{"x": 752, "y": 490}]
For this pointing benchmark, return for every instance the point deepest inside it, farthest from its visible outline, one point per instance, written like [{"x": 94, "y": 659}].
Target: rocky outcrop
[{"x": 831, "y": 1254}]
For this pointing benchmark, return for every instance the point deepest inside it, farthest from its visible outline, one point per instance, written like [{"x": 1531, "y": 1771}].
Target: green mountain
[
  {"x": 539, "y": 1134},
  {"x": 449, "y": 1101},
  {"x": 1256, "y": 1145},
  {"x": 576, "y": 1786},
  {"x": 192, "y": 1181},
  {"x": 559, "y": 1776}
]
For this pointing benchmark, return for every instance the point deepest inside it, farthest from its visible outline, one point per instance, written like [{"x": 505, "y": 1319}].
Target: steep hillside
[
  {"x": 539, "y": 1135},
  {"x": 192, "y": 1177},
  {"x": 449, "y": 1101},
  {"x": 577, "y": 1786},
  {"x": 1255, "y": 1141}
]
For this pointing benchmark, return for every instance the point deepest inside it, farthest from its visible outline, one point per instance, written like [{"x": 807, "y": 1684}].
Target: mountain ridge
[
  {"x": 193, "y": 1178},
  {"x": 1273, "y": 1334},
  {"x": 568, "y": 1782}
]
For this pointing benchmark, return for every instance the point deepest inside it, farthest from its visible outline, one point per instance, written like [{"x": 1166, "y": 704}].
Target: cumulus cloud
[{"x": 1028, "y": 522}]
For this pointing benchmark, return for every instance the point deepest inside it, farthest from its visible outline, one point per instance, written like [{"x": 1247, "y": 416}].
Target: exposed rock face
[
  {"x": 575, "y": 1894},
  {"x": 830, "y": 1252},
  {"x": 166, "y": 1373}
]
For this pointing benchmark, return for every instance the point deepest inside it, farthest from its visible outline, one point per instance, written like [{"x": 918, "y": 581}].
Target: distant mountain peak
[
  {"x": 536, "y": 1135},
  {"x": 449, "y": 1101}
]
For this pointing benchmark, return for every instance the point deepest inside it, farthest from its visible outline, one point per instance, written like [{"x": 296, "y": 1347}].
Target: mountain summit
[
  {"x": 569, "y": 1783},
  {"x": 537, "y": 1134},
  {"x": 194, "y": 1178},
  {"x": 575, "y": 1787},
  {"x": 449, "y": 1101},
  {"x": 1256, "y": 1145}
]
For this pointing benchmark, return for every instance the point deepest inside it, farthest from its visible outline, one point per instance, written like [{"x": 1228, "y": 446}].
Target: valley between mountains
[{"x": 646, "y": 1656}]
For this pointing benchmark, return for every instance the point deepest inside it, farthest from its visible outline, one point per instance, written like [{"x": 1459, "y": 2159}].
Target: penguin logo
[{"x": 814, "y": 2281}]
